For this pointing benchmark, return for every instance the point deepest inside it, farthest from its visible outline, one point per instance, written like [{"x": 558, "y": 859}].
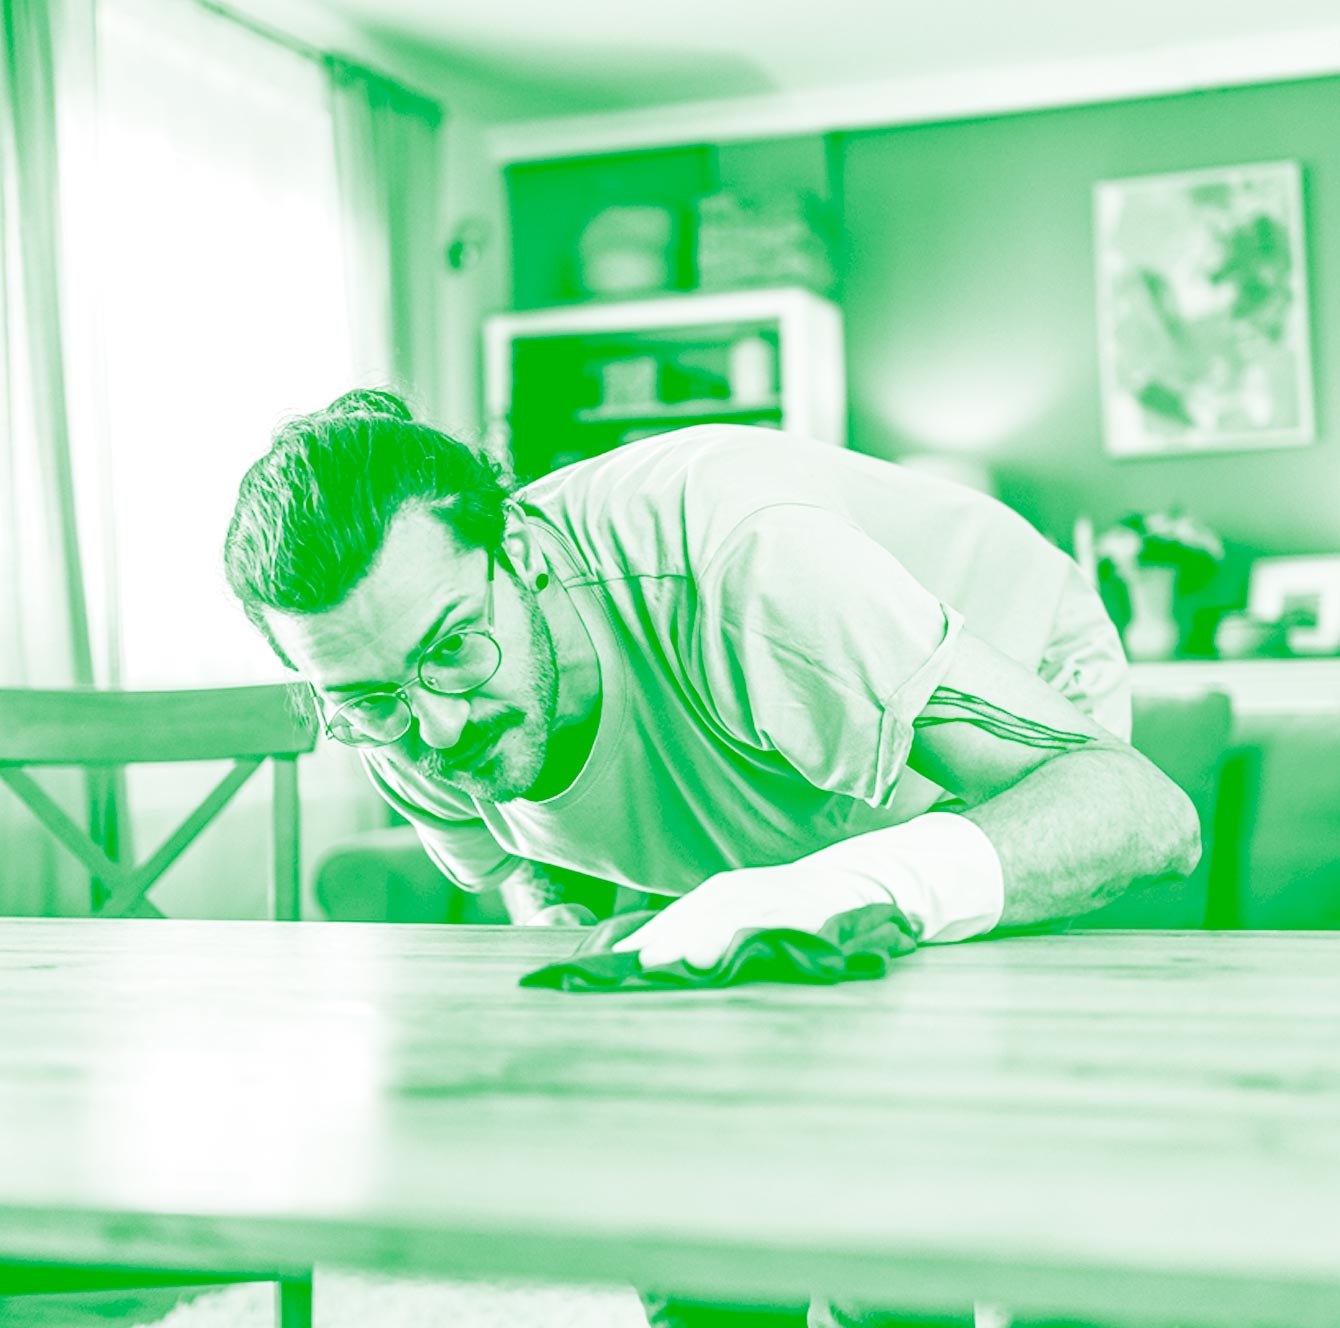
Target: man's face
[{"x": 490, "y": 743}]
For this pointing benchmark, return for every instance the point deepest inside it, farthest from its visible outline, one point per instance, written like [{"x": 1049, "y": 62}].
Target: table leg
[
  {"x": 293, "y": 1303},
  {"x": 285, "y": 897}
]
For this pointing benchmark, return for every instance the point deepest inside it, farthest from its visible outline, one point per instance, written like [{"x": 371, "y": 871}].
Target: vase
[{"x": 1152, "y": 632}]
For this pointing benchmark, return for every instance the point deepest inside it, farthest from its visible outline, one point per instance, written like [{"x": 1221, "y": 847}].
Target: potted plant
[{"x": 1154, "y": 555}]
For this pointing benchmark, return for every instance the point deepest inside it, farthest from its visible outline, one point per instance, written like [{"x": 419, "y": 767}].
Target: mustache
[{"x": 443, "y": 761}]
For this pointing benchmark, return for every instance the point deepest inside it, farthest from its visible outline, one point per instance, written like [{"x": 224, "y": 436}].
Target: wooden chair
[{"x": 105, "y": 730}]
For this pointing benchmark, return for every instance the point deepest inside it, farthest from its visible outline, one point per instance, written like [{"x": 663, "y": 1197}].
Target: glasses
[{"x": 455, "y": 664}]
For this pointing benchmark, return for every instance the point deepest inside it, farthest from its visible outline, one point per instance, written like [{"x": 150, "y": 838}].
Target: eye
[
  {"x": 373, "y": 706},
  {"x": 448, "y": 649}
]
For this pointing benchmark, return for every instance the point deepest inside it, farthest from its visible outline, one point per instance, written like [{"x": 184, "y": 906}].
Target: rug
[{"x": 358, "y": 1300}]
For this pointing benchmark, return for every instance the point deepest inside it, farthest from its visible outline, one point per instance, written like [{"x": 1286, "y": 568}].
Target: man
[{"x": 720, "y": 664}]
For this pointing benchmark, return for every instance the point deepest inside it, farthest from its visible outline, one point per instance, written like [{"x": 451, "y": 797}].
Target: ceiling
[{"x": 581, "y": 56}]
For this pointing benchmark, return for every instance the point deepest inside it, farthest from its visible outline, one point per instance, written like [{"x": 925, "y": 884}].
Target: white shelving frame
[{"x": 811, "y": 366}]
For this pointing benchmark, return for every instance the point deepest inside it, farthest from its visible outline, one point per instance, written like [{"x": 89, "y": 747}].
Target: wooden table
[{"x": 1117, "y": 1124}]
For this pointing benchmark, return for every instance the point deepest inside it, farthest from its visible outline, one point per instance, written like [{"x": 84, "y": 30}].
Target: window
[
  {"x": 223, "y": 309},
  {"x": 212, "y": 277}
]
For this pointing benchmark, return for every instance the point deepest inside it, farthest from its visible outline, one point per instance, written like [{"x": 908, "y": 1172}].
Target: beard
[{"x": 514, "y": 742}]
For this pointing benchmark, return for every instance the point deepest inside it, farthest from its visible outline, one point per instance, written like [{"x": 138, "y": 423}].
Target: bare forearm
[
  {"x": 1081, "y": 828},
  {"x": 528, "y": 890}
]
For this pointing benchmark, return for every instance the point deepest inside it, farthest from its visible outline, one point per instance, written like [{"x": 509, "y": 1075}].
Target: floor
[{"x": 354, "y": 1300}]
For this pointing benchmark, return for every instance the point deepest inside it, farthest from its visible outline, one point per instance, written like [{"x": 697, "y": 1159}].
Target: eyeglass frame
[{"x": 401, "y": 692}]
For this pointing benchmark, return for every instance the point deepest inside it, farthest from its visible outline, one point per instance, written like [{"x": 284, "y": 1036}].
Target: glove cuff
[{"x": 940, "y": 869}]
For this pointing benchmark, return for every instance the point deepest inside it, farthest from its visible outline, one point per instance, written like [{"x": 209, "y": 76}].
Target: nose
[{"x": 440, "y": 718}]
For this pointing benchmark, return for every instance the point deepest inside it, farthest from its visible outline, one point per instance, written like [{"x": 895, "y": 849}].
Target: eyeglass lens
[{"x": 457, "y": 664}]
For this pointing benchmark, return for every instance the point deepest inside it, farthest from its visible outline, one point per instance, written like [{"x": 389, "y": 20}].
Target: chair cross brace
[{"x": 128, "y": 884}]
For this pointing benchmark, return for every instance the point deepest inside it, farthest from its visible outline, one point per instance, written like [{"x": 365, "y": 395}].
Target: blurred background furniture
[
  {"x": 105, "y": 731},
  {"x": 1280, "y": 786},
  {"x": 386, "y": 876}
]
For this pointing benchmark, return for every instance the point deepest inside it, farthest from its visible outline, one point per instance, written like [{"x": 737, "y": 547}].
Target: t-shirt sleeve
[
  {"x": 815, "y": 642},
  {"x": 1084, "y": 660},
  {"x": 463, "y": 849}
]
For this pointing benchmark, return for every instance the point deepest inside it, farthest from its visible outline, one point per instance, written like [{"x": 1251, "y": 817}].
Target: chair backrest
[
  {"x": 130, "y": 728},
  {"x": 105, "y": 730},
  {"x": 1188, "y": 738}
]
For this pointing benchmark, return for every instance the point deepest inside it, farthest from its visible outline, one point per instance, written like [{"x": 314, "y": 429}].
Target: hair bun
[{"x": 370, "y": 401}]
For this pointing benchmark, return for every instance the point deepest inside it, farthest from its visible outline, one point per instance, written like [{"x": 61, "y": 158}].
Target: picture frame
[
  {"x": 1305, "y": 586},
  {"x": 1202, "y": 311}
]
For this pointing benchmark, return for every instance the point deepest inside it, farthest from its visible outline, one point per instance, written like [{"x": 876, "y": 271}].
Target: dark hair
[{"x": 312, "y": 513}]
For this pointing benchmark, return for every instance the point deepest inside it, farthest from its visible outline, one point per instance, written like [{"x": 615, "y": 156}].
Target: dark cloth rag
[{"x": 861, "y": 943}]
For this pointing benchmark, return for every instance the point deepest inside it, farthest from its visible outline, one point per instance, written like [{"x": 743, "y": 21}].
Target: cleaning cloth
[{"x": 861, "y": 943}]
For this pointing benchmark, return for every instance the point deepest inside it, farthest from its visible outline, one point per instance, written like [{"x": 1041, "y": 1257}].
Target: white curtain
[
  {"x": 223, "y": 297},
  {"x": 42, "y": 587},
  {"x": 46, "y": 86},
  {"x": 388, "y": 164}
]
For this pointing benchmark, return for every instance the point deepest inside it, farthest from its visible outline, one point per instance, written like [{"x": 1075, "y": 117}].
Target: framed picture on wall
[{"x": 1202, "y": 294}]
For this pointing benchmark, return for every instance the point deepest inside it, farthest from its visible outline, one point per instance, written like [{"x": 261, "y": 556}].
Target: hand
[{"x": 699, "y": 927}]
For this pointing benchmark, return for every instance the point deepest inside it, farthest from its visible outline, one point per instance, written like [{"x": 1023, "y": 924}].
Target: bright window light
[{"x": 223, "y": 305}]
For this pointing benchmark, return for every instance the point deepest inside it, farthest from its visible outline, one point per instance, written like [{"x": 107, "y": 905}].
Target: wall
[
  {"x": 969, "y": 302},
  {"x": 551, "y": 202},
  {"x": 473, "y": 198}
]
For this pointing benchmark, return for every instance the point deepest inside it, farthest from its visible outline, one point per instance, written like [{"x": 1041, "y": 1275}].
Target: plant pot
[{"x": 1152, "y": 632}]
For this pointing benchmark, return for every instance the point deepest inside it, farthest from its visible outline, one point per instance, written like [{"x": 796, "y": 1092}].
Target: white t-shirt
[{"x": 769, "y": 616}]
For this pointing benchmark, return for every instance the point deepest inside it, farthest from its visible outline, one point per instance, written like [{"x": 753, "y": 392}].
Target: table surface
[{"x": 1132, "y": 1123}]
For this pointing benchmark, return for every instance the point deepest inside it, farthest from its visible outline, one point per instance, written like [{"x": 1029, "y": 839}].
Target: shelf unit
[
  {"x": 679, "y": 411},
  {"x": 1255, "y": 686},
  {"x": 565, "y": 383}
]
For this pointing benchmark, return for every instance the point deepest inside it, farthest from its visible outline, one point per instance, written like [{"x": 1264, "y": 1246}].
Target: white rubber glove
[{"x": 940, "y": 869}]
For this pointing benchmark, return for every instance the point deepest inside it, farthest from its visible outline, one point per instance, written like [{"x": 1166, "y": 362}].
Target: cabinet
[
  {"x": 1279, "y": 813},
  {"x": 563, "y": 384}
]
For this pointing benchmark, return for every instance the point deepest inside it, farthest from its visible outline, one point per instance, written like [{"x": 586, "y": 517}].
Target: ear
[{"x": 521, "y": 546}]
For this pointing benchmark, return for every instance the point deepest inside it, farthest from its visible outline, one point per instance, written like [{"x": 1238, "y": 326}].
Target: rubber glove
[{"x": 940, "y": 870}]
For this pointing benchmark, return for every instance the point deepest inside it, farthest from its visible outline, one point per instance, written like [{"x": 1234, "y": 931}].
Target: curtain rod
[{"x": 301, "y": 48}]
